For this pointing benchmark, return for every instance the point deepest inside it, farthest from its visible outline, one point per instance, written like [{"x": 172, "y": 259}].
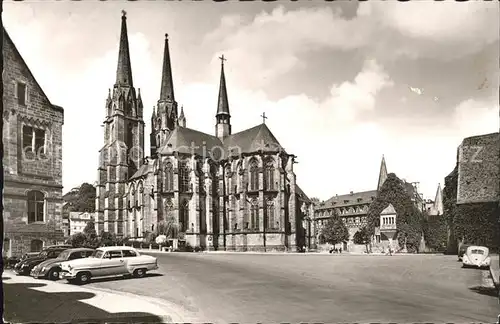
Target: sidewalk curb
[{"x": 290, "y": 253}]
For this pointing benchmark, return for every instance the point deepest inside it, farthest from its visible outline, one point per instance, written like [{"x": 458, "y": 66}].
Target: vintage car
[
  {"x": 51, "y": 268},
  {"x": 477, "y": 257},
  {"x": 461, "y": 251},
  {"x": 25, "y": 266},
  {"x": 106, "y": 262}
]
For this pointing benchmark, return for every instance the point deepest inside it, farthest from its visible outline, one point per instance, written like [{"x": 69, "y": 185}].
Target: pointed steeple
[
  {"x": 382, "y": 176},
  {"x": 223, "y": 104},
  {"x": 438, "y": 201},
  {"x": 167, "y": 84},
  {"x": 124, "y": 69},
  {"x": 182, "y": 118}
]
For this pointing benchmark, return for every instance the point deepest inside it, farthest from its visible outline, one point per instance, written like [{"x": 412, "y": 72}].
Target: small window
[
  {"x": 21, "y": 93},
  {"x": 27, "y": 138},
  {"x": 129, "y": 253},
  {"x": 33, "y": 140},
  {"x": 113, "y": 254},
  {"x": 75, "y": 255}
]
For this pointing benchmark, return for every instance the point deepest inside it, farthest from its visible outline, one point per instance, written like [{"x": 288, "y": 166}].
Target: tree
[
  {"x": 91, "y": 238},
  {"x": 107, "y": 239},
  {"x": 409, "y": 218},
  {"x": 169, "y": 227},
  {"x": 362, "y": 236},
  {"x": 334, "y": 231},
  {"x": 435, "y": 232},
  {"x": 80, "y": 200},
  {"x": 77, "y": 240}
]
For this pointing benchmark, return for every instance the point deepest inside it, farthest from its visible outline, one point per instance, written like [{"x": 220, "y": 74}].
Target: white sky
[{"x": 342, "y": 84}]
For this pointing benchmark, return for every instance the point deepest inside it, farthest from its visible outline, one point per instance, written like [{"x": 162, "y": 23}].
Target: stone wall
[
  {"x": 478, "y": 169},
  {"x": 41, "y": 171}
]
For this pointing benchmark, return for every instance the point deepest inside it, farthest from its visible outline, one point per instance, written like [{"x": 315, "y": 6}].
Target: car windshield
[
  {"x": 97, "y": 254},
  {"x": 64, "y": 255},
  {"x": 43, "y": 254},
  {"x": 477, "y": 251}
]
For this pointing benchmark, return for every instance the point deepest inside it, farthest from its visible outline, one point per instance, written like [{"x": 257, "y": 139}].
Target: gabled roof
[
  {"x": 20, "y": 57},
  {"x": 349, "y": 199},
  {"x": 190, "y": 141},
  {"x": 253, "y": 139},
  {"x": 389, "y": 210}
]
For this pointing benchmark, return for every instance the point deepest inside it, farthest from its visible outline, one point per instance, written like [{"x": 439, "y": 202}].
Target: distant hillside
[{"x": 79, "y": 200}]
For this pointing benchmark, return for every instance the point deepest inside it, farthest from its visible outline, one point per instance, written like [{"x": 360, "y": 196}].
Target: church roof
[
  {"x": 253, "y": 139},
  {"x": 389, "y": 210},
  {"x": 349, "y": 199},
  {"x": 187, "y": 140},
  {"x": 301, "y": 194},
  {"x": 143, "y": 171}
]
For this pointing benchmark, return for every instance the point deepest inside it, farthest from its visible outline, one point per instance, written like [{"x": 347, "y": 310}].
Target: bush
[
  {"x": 449, "y": 209},
  {"x": 478, "y": 223},
  {"x": 435, "y": 233},
  {"x": 334, "y": 231}
]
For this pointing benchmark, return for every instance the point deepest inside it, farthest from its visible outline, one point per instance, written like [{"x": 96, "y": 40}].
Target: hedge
[{"x": 449, "y": 208}]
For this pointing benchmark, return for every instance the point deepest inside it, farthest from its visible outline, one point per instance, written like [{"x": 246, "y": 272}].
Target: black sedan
[
  {"x": 24, "y": 267},
  {"x": 51, "y": 268}
]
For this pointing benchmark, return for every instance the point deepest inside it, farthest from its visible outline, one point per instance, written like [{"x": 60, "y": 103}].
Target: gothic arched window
[
  {"x": 254, "y": 175},
  {"x": 184, "y": 176},
  {"x": 140, "y": 192},
  {"x": 131, "y": 198},
  {"x": 271, "y": 219},
  {"x": 169, "y": 177},
  {"x": 36, "y": 202},
  {"x": 269, "y": 175},
  {"x": 184, "y": 216},
  {"x": 254, "y": 215}
]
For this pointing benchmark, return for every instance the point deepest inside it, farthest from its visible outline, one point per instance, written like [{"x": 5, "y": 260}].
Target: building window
[
  {"x": 184, "y": 217},
  {"x": 36, "y": 245},
  {"x": 132, "y": 196},
  {"x": 35, "y": 206},
  {"x": 140, "y": 192},
  {"x": 169, "y": 177},
  {"x": 33, "y": 140},
  {"x": 254, "y": 176},
  {"x": 269, "y": 175},
  {"x": 21, "y": 93},
  {"x": 254, "y": 215},
  {"x": 270, "y": 214},
  {"x": 184, "y": 177}
]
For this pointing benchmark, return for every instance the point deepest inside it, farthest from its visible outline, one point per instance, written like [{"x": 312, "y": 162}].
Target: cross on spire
[
  {"x": 222, "y": 59},
  {"x": 263, "y": 117}
]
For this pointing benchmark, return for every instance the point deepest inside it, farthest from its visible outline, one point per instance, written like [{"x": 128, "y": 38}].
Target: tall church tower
[
  {"x": 164, "y": 120},
  {"x": 123, "y": 151},
  {"x": 223, "y": 118},
  {"x": 382, "y": 176}
]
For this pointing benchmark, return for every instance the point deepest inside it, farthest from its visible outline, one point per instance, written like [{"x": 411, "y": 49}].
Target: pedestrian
[{"x": 340, "y": 250}]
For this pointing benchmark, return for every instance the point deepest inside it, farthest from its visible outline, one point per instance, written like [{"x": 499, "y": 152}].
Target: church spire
[
  {"x": 438, "y": 201},
  {"x": 124, "y": 69},
  {"x": 223, "y": 118},
  {"x": 167, "y": 84},
  {"x": 223, "y": 104},
  {"x": 182, "y": 118},
  {"x": 382, "y": 174}
]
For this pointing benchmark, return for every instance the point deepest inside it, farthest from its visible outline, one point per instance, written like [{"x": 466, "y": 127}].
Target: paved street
[{"x": 318, "y": 288}]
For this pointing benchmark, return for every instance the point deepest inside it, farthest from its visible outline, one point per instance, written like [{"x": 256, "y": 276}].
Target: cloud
[
  {"x": 271, "y": 44},
  {"x": 475, "y": 117}
]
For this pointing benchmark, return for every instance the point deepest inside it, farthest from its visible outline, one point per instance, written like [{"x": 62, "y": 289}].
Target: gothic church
[{"x": 227, "y": 191}]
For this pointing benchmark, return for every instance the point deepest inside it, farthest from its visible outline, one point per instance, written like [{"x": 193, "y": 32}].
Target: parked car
[
  {"x": 25, "y": 266},
  {"x": 106, "y": 262},
  {"x": 51, "y": 268},
  {"x": 477, "y": 257},
  {"x": 461, "y": 251}
]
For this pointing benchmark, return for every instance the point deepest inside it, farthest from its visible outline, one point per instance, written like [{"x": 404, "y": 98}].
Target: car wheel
[
  {"x": 53, "y": 274},
  {"x": 83, "y": 278},
  {"x": 139, "y": 273}
]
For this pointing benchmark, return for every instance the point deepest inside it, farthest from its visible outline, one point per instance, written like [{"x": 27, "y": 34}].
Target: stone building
[
  {"x": 353, "y": 210},
  {"x": 231, "y": 191},
  {"x": 478, "y": 173},
  {"x": 32, "y": 137}
]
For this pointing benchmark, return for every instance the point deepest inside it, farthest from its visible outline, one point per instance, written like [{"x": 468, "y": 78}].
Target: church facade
[{"x": 226, "y": 191}]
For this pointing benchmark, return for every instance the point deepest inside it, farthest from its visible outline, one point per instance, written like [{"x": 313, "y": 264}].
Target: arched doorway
[{"x": 36, "y": 245}]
